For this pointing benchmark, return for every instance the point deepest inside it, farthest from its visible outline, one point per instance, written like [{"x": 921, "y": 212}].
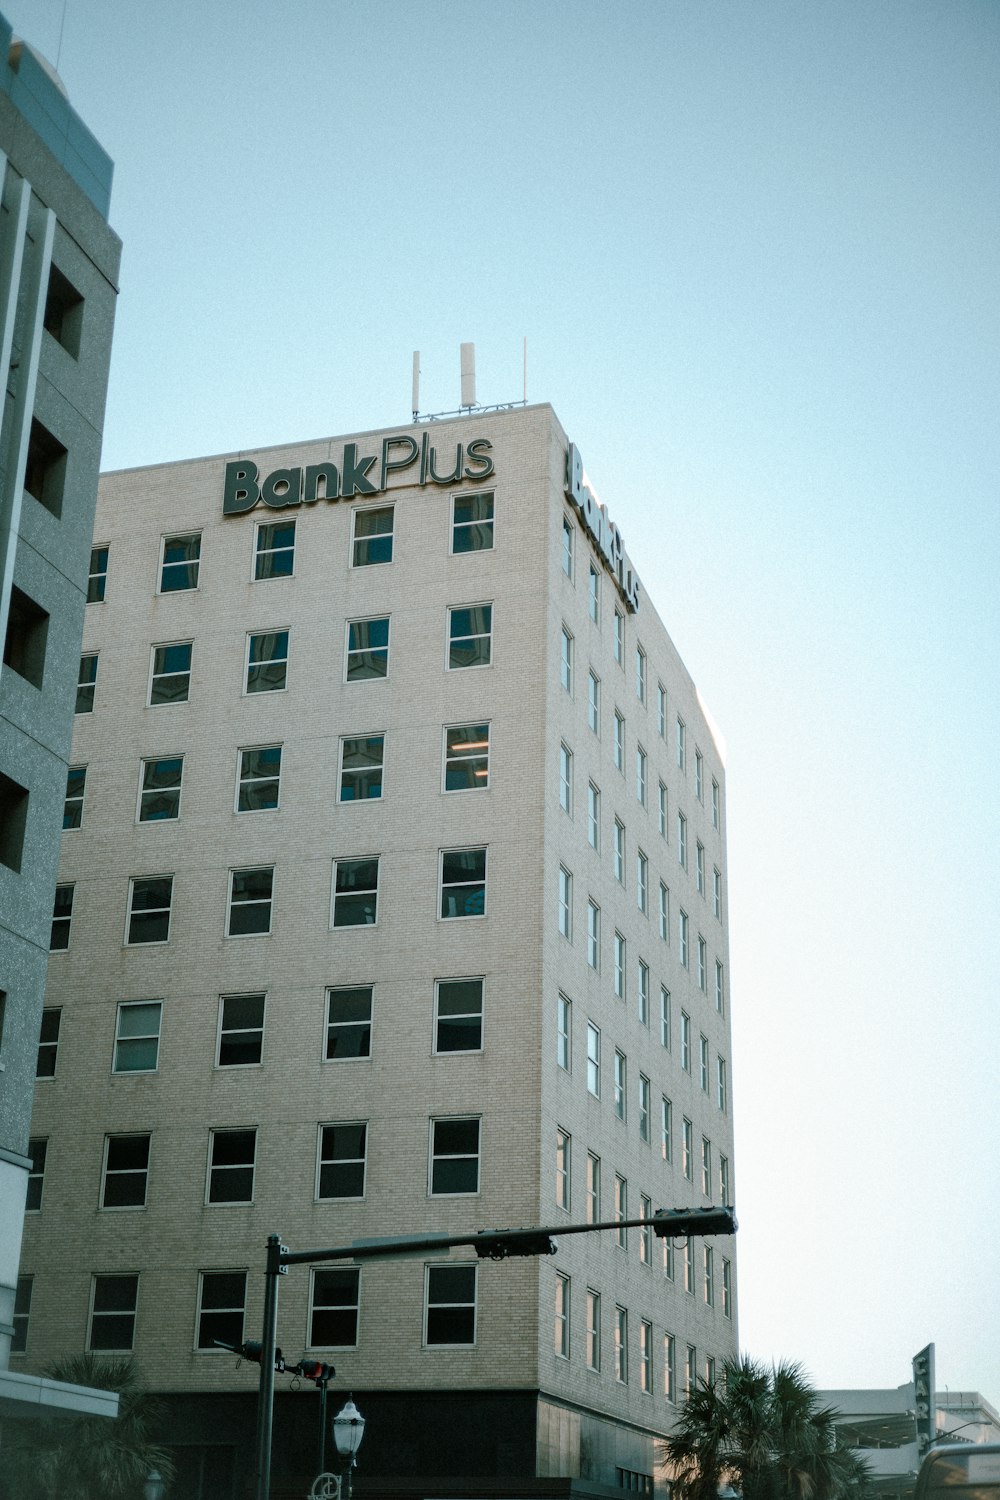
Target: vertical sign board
[{"x": 924, "y": 1404}]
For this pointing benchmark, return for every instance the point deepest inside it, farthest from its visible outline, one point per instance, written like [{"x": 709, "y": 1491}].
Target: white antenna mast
[
  {"x": 468, "y": 376},
  {"x": 415, "y": 401},
  {"x": 525, "y": 369}
]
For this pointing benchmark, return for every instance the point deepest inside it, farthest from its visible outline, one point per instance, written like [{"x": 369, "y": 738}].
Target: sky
[{"x": 753, "y": 248}]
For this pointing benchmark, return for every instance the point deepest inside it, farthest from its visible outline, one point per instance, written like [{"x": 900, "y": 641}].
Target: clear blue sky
[{"x": 754, "y": 248}]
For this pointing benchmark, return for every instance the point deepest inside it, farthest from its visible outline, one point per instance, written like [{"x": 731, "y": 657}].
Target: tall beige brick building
[{"x": 392, "y": 899}]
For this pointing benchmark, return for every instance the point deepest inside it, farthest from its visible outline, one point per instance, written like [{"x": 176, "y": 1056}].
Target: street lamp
[
  {"x": 348, "y": 1430},
  {"x": 154, "y": 1487}
]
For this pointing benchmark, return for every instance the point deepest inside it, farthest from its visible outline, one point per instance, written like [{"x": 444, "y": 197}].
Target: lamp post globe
[
  {"x": 348, "y": 1430},
  {"x": 154, "y": 1487}
]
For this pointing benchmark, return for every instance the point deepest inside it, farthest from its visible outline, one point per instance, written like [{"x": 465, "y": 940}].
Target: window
[
  {"x": 717, "y": 893},
  {"x": 562, "y": 1311},
  {"x": 715, "y": 804},
  {"x": 702, "y": 964},
  {"x": 594, "y": 702},
  {"x": 594, "y": 595},
  {"x": 367, "y": 648},
  {"x": 703, "y": 1062},
  {"x": 241, "y": 1031},
  {"x": 668, "y": 1258},
  {"x": 661, "y": 810},
  {"x": 565, "y": 903},
  {"x": 458, "y": 1015},
  {"x": 646, "y": 1357},
  {"x": 640, "y": 674},
  {"x": 690, "y": 1372},
  {"x": 566, "y": 660},
  {"x": 267, "y": 662},
  {"x": 348, "y": 1022},
  {"x": 699, "y": 776},
  {"x": 564, "y": 1022},
  {"x": 355, "y": 892},
  {"x": 76, "y": 785},
  {"x": 63, "y": 316},
  {"x": 644, "y": 1108},
  {"x": 618, "y": 855},
  {"x": 670, "y": 1367},
  {"x": 170, "y": 673},
  {"x": 727, "y": 1289},
  {"x": 149, "y": 899},
  {"x": 361, "y": 768},
  {"x": 250, "y": 896},
  {"x": 685, "y": 1041},
  {"x": 706, "y": 1166},
  {"x": 640, "y": 775},
  {"x": 566, "y": 779},
  {"x": 708, "y": 1263},
  {"x": 48, "y": 1042},
  {"x": 463, "y": 883},
  {"x": 86, "y": 683},
  {"x": 682, "y": 840},
  {"x": 681, "y": 742},
  {"x": 373, "y": 536},
  {"x": 470, "y": 636},
  {"x": 661, "y": 710},
  {"x": 593, "y": 1060},
  {"x": 26, "y": 638},
  {"x": 619, "y": 743},
  {"x": 687, "y": 1149},
  {"x": 231, "y": 1161},
  {"x": 334, "y": 1307},
  {"x": 619, "y": 637},
  {"x": 594, "y": 817},
  {"x": 179, "y": 563},
  {"x": 642, "y": 882},
  {"x": 621, "y": 1083},
  {"x": 567, "y": 546},
  {"x": 710, "y": 1370},
  {"x": 699, "y": 864},
  {"x": 137, "y": 1037},
  {"x": 621, "y": 1345},
  {"x": 112, "y": 1313},
  {"x": 593, "y": 1206},
  {"x": 259, "y": 783},
  {"x": 450, "y": 1316},
  {"x": 666, "y": 1128},
  {"x": 689, "y": 1267},
  {"x": 593, "y": 935},
  {"x": 126, "y": 1171},
  {"x": 683, "y": 928},
  {"x": 274, "y": 554},
  {"x": 340, "y": 1169},
  {"x": 467, "y": 758},
  {"x": 62, "y": 918},
  {"x": 454, "y": 1166},
  {"x": 664, "y": 913},
  {"x": 160, "y": 789},
  {"x": 645, "y": 1231},
  {"x": 593, "y": 1330},
  {"x": 665, "y": 1027},
  {"x": 98, "y": 577},
  {"x": 720, "y": 1084},
  {"x": 621, "y": 1211},
  {"x": 563, "y": 1147},
  {"x": 472, "y": 522},
  {"x": 37, "y": 1150},
  {"x": 724, "y": 1180},
  {"x": 619, "y": 965},
  {"x": 720, "y": 989},
  {"x": 222, "y": 1299}
]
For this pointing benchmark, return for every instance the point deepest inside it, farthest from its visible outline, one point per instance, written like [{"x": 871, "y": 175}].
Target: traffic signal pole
[{"x": 269, "y": 1339}]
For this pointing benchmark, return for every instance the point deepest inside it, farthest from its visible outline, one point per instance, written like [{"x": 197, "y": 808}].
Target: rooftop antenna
[
  {"x": 468, "y": 376},
  {"x": 415, "y": 401},
  {"x": 525, "y": 369}
]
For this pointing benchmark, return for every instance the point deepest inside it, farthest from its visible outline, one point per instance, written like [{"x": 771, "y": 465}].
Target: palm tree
[
  {"x": 762, "y": 1430},
  {"x": 89, "y": 1458}
]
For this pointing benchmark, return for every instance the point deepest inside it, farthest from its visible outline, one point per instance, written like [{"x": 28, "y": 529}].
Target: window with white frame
[
  {"x": 681, "y": 743},
  {"x": 643, "y": 986},
  {"x": 706, "y": 1166},
  {"x": 593, "y": 1204},
  {"x": 699, "y": 864},
  {"x": 341, "y": 1160},
  {"x": 149, "y": 901},
  {"x": 472, "y": 521},
  {"x": 593, "y": 935},
  {"x": 458, "y": 1015},
  {"x": 699, "y": 776},
  {"x": 466, "y": 757},
  {"x": 274, "y": 550},
  {"x": 137, "y": 1036},
  {"x": 621, "y": 1344},
  {"x": 619, "y": 743},
  {"x": 563, "y": 1149},
  {"x": 664, "y": 912},
  {"x": 618, "y": 853},
  {"x": 593, "y": 1060},
  {"x": 251, "y": 894},
  {"x": 727, "y": 1289},
  {"x": 682, "y": 840},
  {"x": 685, "y": 1041},
  {"x": 180, "y": 560},
  {"x": 661, "y": 710},
  {"x": 222, "y": 1298},
  {"x": 619, "y": 637},
  {"x": 562, "y": 1313},
  {"x": 566, "y": 778},
  {"x": 661, "y": 809},
  {"x": 126, "y": 1171},
  {"x": 170, "y": 673},
  {"x": 690, "y": 1372},
  {"x": 689, "y": 1267},
  {"x": 48, "y": 1042},
  {"x": 666, "y": 1028},
  {"x": 470, "y": 636},
  {"x": 361, "y": 764},
  {"x": 720, "y": 989},
  {"x": 258, "y": 783},
  {"x": 687, "y": 1149},
  {"x": 349, "y": 1022},
  {"x": 619, "y": 965},
  {"x": 668, "y": 1258},
  {"x": 710, "y": 1370},
  {"x": 564, "y": 1032},
  {"x": 567, "y": 545},
  {"x": 640, "y": 775},
  {"x": 566, "y": 660},
  {"x": 267, "y": 662},
  {"x": 666, "y": 1128},
  {"x": 565, "y": 902},
  {"x": 594, "y": 702},
  {"x": 593, "y": 1329},
  {"x": 97, "y": 579},
  {"x": 76, "y": 786},
  {"x": 241, "y": 1031},
  {"x": 463, "y": 883},
  {"x": 683, "y": 929},
  {"x": 454, "y": 1156},
  {"x": 37, "y": 1150},
  {"x": 702, "y": 964},
  {"x": 113, "y": 1305},
  {"x": 646, "y": 1357},
  {"x": 373, "y": 536},
  {"x": 645, "y": 1124},
  {"x": 715, "y": 804},
  {"x": 642, "y": 881},
  {"x": 594, "y": 817},
  {"x": 594, "y": 595},
  {"x": 334, "y": 1307},
  {"x": 232, "y": 1159},
  {"x": 670, "y": 1367},
  {"x": 86, "y": 685},
  {"x": 62, "y": 919},
  {"x": 721, "y": 1087},
  {"x": 708, "y": 1274},
  {"x": 717, "y": 893},
  {"x": 367, "y": 653},
  {"x": 621, "y": 1084},
  {"x": 703, "y": 1062},
  {"x": 724, "y": 1181},
  {"x": 621, "y": 1211},
  {"x": 645, "y": 1231},
  {"x": 640, "y": 674},
  {"x": 450, "y": 1306},
  {"x": 160, "y": 789},
  {"x": 355, "y": 891}
]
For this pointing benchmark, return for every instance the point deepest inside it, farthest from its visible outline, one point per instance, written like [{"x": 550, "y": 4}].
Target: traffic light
[
  {"x": 251, "y": 1351},
  {"x": 314, "y": 1369}
]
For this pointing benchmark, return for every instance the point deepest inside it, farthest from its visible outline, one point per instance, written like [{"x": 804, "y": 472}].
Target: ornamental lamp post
[
  {"x": 348, "y": 1430},
  {"x": 153, "y": 1487}
]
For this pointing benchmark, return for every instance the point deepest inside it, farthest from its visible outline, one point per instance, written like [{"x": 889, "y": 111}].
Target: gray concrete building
[
  {"x": 392, "y": 900},
  {"x": 58, "y": 269}
]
